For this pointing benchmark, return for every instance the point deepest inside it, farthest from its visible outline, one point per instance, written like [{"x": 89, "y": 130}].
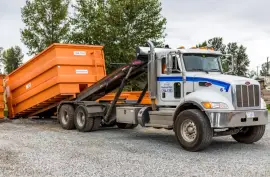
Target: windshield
[{"x": 201, "y": 62}]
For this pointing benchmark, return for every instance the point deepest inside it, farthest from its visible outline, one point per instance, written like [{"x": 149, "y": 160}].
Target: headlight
[{"x": 215, "y": 105}]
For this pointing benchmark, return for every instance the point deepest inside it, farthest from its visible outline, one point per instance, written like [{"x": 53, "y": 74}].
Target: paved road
[{"x": 31, "y": 148}]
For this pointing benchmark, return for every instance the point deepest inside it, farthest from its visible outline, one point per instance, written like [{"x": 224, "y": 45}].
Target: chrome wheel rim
[
  {"x": 65, "y": 117},
  {"x": 81, "y": 118},
  {"x": 188, "y": 130}
]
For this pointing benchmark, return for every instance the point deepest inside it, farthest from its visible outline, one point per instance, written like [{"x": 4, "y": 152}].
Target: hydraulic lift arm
[{"x": 112, "y": 81}]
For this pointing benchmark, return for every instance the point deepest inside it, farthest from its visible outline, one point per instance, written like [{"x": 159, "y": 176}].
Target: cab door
[{"x": 170, "y": 86}]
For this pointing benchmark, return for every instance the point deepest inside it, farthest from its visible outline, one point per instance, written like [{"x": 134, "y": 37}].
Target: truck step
[
  {"x": 161, "y": 118},
  {"x": 163, "y": 112}
]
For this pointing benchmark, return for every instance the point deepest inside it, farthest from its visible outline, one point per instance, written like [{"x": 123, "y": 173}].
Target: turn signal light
[
  {"x": 215, "y": 105},
  {"x": 207, "y": 105}
]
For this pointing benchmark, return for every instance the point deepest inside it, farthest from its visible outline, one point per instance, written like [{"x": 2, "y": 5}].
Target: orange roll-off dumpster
[{"x": 58, "y": 73}]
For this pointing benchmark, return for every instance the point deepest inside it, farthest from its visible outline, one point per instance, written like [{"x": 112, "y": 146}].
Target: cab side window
[
  {"x": 177, "y": 90},
  {"x": 175, "y": 68}
]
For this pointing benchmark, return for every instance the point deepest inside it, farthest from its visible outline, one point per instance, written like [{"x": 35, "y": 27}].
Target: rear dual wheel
[
  {"x": 83, "y": 123},
  {"x": 66, "y": 117},
  {"x": 71, "y": 119}
]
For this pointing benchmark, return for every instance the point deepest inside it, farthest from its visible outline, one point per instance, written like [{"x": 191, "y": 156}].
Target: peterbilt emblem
[{"x": 247, "y": 83}]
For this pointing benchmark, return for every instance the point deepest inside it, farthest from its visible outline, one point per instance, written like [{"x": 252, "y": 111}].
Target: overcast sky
[{"x": 188, "y": 23}]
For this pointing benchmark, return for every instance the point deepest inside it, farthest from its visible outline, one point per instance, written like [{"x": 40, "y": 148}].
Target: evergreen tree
[
  {"x": 46, "y": 22},
  {"x": 12, "y": 59},
  {"x": 241, "y": 61},
  {"x": 120, "y": 26}
]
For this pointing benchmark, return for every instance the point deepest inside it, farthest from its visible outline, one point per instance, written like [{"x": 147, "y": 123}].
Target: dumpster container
[
  {"x": 58, "y": 73},
  {"x": 2, "y": 102}
]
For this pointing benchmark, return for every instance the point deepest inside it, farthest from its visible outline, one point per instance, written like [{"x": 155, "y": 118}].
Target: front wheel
[
  {"x": 250, "y": 135},
  {"x": 193, "y": 130}
]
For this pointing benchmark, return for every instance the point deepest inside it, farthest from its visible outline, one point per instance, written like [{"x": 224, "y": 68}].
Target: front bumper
[{"x": 237, "y": 118}]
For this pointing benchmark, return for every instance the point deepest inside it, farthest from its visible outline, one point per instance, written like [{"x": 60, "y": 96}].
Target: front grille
[{"x": 247, "y": 95}]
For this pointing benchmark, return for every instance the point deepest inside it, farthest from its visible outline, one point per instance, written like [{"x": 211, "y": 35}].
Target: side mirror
[{"x": 169, "y": 63}]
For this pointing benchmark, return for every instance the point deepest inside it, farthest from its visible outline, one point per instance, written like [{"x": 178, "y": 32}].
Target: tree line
[
  {"x": 120, "y": 26},
  {"x": 238, "y": 52}
]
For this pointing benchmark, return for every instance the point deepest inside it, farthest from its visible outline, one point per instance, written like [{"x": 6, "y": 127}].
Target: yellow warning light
[{"x": 203, "y": 48}]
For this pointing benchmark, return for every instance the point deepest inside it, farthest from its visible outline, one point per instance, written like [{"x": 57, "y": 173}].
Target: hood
[{"x": 227, "y": 78}]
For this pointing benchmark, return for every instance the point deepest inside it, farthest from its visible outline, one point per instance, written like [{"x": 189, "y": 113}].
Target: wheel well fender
[{"x": 185, "y": 106}]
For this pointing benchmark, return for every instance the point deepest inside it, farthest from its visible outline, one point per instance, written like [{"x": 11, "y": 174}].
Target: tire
[
  {"x": 250, "y": 135},
  {"x": 126, "y": 126},
  {"x": 66, "y": 117},
  {"x": 112, "y": 124},
  {"x": 97, "y": 123},
  {"x": 82, "y": 122},
  {"x": 193, "y": 130},
  {"x": 131, "y": 126}
]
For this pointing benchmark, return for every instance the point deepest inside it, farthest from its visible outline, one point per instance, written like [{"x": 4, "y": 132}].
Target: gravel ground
[{"x": 43, "y": 148}]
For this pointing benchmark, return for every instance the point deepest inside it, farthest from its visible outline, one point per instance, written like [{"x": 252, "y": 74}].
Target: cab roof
[{"x": 161, "y": 52}]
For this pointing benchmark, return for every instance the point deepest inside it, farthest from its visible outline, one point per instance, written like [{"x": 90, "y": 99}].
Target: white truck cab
[{"x": 191, "y": 94}]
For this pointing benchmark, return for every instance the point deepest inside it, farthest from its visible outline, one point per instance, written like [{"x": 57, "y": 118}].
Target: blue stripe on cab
[
  {"x": 225, "y": 85},
  {"x": 162, "y": 79}
]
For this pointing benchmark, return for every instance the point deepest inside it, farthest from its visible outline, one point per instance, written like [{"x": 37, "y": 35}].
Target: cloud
[
  {"x": 10, "y": 24},
  {"x": 245, "y": 22},
  {"x": 188, "y": 23}
]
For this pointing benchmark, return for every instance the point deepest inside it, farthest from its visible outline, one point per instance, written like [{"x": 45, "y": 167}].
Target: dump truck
[{"x": 188, "y": 93}]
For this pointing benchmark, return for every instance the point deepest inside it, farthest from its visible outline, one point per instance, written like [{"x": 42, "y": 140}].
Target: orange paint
[
  {"x": 2, "y": 103},
  {"x": 127, "y": 96}
]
